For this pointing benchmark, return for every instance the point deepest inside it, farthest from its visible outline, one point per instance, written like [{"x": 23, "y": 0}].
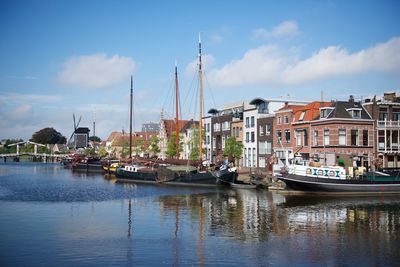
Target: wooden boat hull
[{"x": 315, "y": 184}]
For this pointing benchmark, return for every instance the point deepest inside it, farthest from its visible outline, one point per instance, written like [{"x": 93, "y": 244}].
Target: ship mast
[
  {"x": 130, "y": 121},
  {"x": 201, "y": 104},
  {"x": 177, "y": 111}
]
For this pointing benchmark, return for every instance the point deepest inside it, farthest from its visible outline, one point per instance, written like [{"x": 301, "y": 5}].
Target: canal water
[{"x": 50, "y": 216}]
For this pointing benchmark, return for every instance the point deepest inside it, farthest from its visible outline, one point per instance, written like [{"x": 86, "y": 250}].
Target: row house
[
  {"x": 339, "y": 132},
  {"x": 219, "y": 128},
  {"x": 117, "y": 141},
  {"x": 189, "y": 138},
  {"x": 386, "y": 114}
]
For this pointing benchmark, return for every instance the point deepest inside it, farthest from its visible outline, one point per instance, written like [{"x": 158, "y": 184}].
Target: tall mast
[
  {"x": 201, "y": 104},
  {"x": 177, "y": 111},
  {"x": 130, "y": 120}
]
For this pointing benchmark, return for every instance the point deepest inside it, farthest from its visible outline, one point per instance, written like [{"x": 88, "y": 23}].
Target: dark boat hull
[
  {"x": 222, "y": 177},
  {"x": 314, "y": 184},
  {"x": 147, "y": 176},
  {"x": 88, "y": 167}
]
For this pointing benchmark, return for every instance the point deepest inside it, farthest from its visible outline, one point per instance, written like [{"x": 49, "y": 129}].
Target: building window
[
  {"x": 263, "y": 108},
  {"x": 287, "y": 136},
  {"x": 355, "y": 113},
  {"x": 247, "y": 137},
  {"x": 267, "y": 129},
  {"x": 324, "y": 112},
  {"x": 252, "y": 121},
  {"x": 254, "y": 157},
  {"x": 249, "y": 157},
  {"x": 301, "y": 118},
  {"x": 315, "y": 137},
  {"x": 278, "y": 136},
  {"x": 383, "y": 114},
  {"x": 279, "y": 118},
  {"x": 365, "y": 137},
  {"x": 342, "y": 137},
  {"x": 396, "y": 115},
  {"x": 298, "y": 138},
  {"x": 354, "y": 137},
  {"x": 265, "y": 147},
  {"x": 326, "y": 137},
  {"x": 261, "y": 162},
  {"x": 252, "y": 137},
  {"x": 247, "y": 122},
  {"x": 261, "y": 130},
  {"x": 286, "y": 119}
]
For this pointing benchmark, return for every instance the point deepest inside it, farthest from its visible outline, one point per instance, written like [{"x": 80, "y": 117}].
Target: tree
[
  {"x": 171, "y": 146},
  {"x": 94, "y": 138},
  {"x": 48, "y": 136},
  {"x": 233, "y": 149}
]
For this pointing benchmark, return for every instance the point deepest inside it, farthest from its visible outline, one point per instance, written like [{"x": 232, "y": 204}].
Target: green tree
[
  {"x": 154, "y": 145},
  {"x": 48, "y": 136},
  {"x": 233, "y": 149},
  {"x": 94, "y": 138},
  {"x": 102, "y": 152},
  {"x": 171, "y": 146}
]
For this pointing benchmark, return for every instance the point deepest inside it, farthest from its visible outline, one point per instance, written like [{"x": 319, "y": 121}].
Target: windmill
[{"x": 76, "y": 125}]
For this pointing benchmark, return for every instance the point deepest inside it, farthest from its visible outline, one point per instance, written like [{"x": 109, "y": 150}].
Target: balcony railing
[{"x": 388, "y": 124}]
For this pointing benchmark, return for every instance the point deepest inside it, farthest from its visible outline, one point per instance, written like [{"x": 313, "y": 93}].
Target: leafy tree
[
  {"x": 48, "y": 136},
  {"x": 154, "y": 145},
  {"x": 102, "y": 152},
  {"x": 194, "y": 143},
  {"x": 171, "y": 146},
  {"x": 233, "y": 149},
  {"x": 6, "y": 149},
  {"x": 94, "y": 138}
]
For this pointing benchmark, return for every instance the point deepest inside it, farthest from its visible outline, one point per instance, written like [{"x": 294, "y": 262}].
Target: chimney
[{"x": 351, "y": 99}]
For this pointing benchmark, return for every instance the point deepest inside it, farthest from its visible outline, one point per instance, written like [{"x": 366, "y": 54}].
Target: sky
[{"x": 59, "y": 58}]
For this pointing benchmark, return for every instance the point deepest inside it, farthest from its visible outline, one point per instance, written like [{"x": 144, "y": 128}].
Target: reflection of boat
[
  {"x": 334, "y": 179},
  {"x": 242, "y": 185}
]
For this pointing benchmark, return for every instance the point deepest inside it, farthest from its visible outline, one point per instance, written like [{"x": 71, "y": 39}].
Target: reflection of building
[{"x": 386, "y": 113}]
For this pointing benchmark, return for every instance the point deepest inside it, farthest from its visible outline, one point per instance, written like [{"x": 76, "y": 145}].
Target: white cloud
[
  {"x": 268, "y": 65},
  {"x": 96, "y": 71},
  {"x": 285, "y": 29}
]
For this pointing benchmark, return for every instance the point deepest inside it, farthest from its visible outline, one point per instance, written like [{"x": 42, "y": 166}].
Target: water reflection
[
  {"x": 253, "y": 216},
  {"x": 88, "y": 220}
]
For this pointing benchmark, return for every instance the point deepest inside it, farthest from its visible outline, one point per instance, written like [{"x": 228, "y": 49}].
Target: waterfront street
[{"x": 50, "y": 216}]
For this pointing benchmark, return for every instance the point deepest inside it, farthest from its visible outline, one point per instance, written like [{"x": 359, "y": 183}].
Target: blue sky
[{"x": 65, "y": 57}]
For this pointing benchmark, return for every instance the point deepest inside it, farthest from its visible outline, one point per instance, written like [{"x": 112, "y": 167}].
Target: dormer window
[
  {"x": 355, "y": 113},
  {"x": 324, "y": 112},
  {"x": 302, "y": 116}
]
